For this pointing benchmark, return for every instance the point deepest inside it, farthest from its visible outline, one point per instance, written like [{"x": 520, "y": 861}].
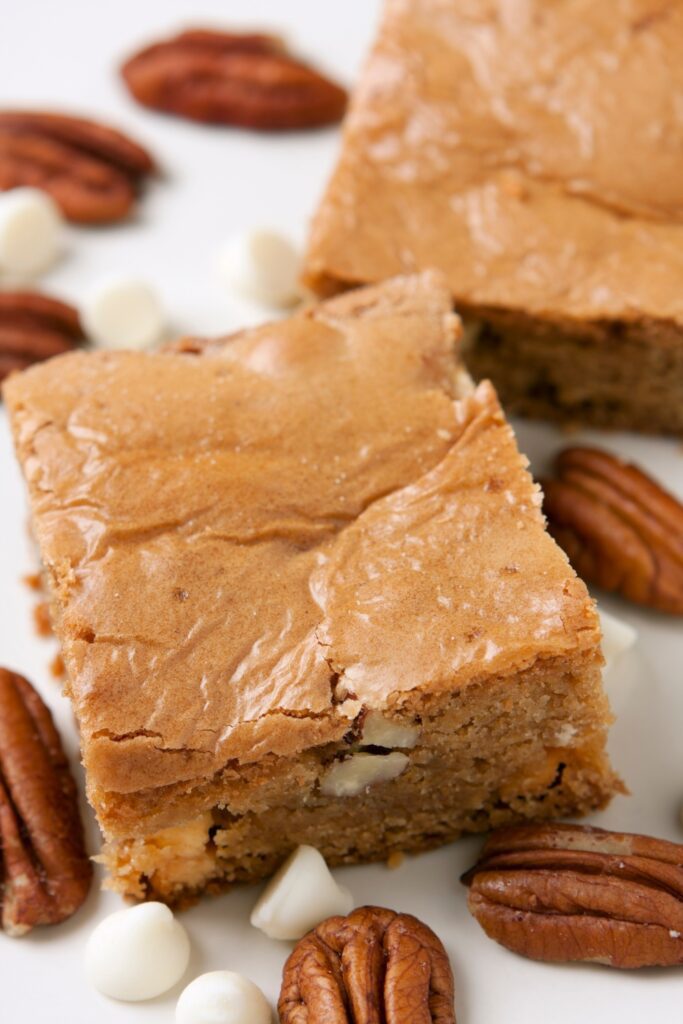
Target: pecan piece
[
  {"x": 91, "y": 171},
  {"x": 571, "y": 892},
  {"x": 374, "y": 966},
  {"x": 228, "y": 78},
  {"x": 620, "y": 529},
  {"x": 45, "y": 873},
  {"x": 34, "y": 327}
]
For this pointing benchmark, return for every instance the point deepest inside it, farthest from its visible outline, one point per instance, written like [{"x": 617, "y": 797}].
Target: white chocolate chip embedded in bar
[
  {"x": 360, "y": 771},
  {"x": 380, "y": 732}
]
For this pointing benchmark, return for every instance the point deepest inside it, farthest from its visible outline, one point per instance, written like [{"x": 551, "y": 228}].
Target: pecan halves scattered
[
  {"x": 570, "y": 892},
  {"x": 92, "y": 172},
  {"x": 620, "y": 529},
  {"x": 45, "y": 873},
  {"x": 34, "y": 327},
  {"x": 228, "y": 78},
  {"x": 374, "y": 966}
]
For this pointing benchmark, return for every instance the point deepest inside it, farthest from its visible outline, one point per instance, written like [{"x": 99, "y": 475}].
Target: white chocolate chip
[
  {"x": 123, "y": 312},
  {"x": 137, "y": 953},
  {"x": 617, "y": 637},
  {"x": 30, "y": 228},
  {"x": 299, "y": 896},
  {"x": 360, "y": 771},
  {"x": 261, "y": 266},
  {"x": 222, "y": 997},
  {"x": 380, "y": 732}
]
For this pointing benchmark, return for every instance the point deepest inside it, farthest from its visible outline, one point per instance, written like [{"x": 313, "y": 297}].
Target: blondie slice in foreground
[
  {"x": 532, "y": 152},
  {"x": 305, "y": 595}
]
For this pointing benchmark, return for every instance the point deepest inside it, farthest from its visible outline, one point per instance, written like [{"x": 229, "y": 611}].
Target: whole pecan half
[
  {"x": 45, "y": 873},
  {"x": 374, "y": 966},
  {"x": 571, "y": 892},
  {"x": 91, "y": 171},
  {"x": 620, "y": 529},
  {"x": 34, "y": 327},
  {"x": 230, "y": 78}
]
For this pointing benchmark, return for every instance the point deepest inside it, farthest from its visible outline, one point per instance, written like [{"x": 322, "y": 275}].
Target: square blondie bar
[
  {"x": 304, "y": 594},
  {"x": 530, "y": 151}
]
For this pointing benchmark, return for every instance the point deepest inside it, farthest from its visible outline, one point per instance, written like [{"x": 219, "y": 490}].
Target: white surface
[
  {"x": 137, "y": 953},
  {"x": 222, "y": 997},
  {"x": 617, "y": 637},
  {"x": 217, "y": 182},
  {"x": 301, "y": 894}
]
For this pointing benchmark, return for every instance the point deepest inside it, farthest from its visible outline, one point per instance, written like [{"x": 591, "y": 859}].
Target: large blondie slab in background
[
  {"x": 304, "y": 593},
  {"x": 532, "y": 151}
]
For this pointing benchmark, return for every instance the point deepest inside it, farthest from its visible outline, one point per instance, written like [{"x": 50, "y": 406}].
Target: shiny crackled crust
[
  {"x": 236, "y": 541},
  {"x": 497, "y": 142}
]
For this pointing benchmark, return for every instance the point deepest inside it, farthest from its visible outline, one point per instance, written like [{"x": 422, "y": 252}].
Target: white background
[{"x": 65, "y": 55}]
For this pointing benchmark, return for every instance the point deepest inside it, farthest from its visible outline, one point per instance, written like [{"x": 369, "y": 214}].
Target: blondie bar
[
  {"x": 531, "y": 151},
  {"x": 305, "y": 594}
]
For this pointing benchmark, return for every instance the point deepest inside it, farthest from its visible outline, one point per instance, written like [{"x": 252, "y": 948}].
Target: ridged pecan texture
[
  {"x": 229, "y": 78},
  {"x": 373, "y": 967},
  {"x": 45, "y": 873},
  {"x": 620, "y": 529},
  {"x": 34, "y": 327},
  {"x": 570, "y": 892},
  {"x": 92, "y": 172}
]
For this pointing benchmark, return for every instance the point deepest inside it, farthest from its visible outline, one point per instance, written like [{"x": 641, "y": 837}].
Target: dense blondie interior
[
  {"x": 491, "y": 140},
  {"x": 304, "y": 592},
  {"x": 610, "y": 374},
  {"x": 481, "y": 759}
]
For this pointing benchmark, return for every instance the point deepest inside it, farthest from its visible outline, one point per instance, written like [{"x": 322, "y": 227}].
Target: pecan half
[
  {"x": 34, "y": 327},
  {"x": 91, "y": 171},
  {"x": 374, "y": 966},
  {"x": 571, "y": 892},
  {"x": 229, "y": 78},
  {"x": 45, "y": 873},
  {"x": 620, "y": 529}
]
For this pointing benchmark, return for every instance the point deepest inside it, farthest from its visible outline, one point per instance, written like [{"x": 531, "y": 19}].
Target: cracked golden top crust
[
  {"x": 530, "y": 150},
  {"x": 249, "y": 544}
]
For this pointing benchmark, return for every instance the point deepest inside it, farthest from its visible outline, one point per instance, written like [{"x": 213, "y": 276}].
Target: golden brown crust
[{"x": 492, "y": 141}]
